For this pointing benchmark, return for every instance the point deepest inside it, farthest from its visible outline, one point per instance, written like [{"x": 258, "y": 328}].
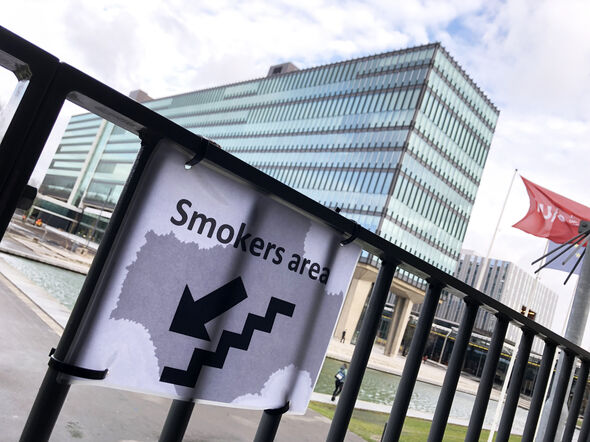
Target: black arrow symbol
[{"x": 191, "y": 316}]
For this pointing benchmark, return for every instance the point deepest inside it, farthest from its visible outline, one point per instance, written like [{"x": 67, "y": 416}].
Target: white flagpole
[{"x": 478, "y": 284}]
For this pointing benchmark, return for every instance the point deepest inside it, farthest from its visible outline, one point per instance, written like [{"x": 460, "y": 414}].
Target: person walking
[
  {"x": 339, "y": 377},
  {"x": 343, "y": 337}
]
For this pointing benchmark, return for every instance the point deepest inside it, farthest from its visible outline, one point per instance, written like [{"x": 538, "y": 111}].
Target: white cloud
[{"x": 531, "y": 57}]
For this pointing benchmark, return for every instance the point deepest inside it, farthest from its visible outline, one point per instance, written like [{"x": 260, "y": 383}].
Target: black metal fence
[{"x": 44, "y": 85}]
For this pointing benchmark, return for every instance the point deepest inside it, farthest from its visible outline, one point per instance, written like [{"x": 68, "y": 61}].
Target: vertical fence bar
[
  {"x": 559, "y": 397},
  {"x": 269, "y": 424},
  {"x": 412, "y": 365},
  {"x": 21, "y": 139},
  {"x": 574, "y": 411},
  {"x": 52, "y": 393},
  {"x": 46, "y": 408},
  {"x": 362, "y": 351},
  {"x": 447, "y": 393},
  {"x": 487, "y": 380},
  {"x": 522, "y": 359},
  {"x": 177, "y": 420},
  {"x": 539, "y": 392},
  {"x": 585, "y": 430}
]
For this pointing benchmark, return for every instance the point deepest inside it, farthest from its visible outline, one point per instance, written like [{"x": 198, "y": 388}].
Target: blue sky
[{"x": 532, "y": 58}]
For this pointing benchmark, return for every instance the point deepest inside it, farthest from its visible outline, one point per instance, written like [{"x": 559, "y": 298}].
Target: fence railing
[{"x": 45, "y": 84}]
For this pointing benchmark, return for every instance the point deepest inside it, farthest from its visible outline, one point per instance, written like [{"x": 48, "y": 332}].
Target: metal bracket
[{"x": 73, "y": 370}]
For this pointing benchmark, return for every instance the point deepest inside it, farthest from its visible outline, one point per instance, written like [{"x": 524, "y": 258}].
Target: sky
[{"x": 531, "y": 58}]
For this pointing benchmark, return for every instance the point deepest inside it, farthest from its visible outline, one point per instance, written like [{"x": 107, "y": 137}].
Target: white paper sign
[{"x": 215, "y": 292}]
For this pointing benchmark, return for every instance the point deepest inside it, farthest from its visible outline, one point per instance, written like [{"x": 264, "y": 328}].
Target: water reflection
[{"x": 379, "y": 387}]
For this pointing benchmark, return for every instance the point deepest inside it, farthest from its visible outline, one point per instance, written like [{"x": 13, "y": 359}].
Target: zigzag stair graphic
[{"x": 241, "y": 341}]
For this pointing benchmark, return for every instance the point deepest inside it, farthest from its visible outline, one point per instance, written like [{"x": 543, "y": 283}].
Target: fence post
[
  {"x": 585, "y": 430},
  {"x": 559, "y": 397},
  {"x": 487, "y": 380},
  {"x": 362, "y": 351},
  {"x": 522, "y": 359},
  {"x": 539, "y": 392},
  {"x": 572, "y": 418},
  {"x": 447, "y": 393},
  {"x": 269, "y": 424},
  {"x": 412, "y": 365},
  {"x": 177, "y": 420}
]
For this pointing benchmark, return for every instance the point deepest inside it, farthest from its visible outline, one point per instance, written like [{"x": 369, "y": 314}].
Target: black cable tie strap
[
  {"x": 353, "y": 235},
  {"x": 193, "y": 161},
  {"x": 202, "y": 153},
  {"x": 73, "y": 370},
  {"x": 278, "y": 411}
]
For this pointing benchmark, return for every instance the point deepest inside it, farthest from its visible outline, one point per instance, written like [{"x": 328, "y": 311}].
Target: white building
[{"x": 505, "y": 282}]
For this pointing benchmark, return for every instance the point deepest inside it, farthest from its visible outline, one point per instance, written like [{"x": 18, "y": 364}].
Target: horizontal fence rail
[{"x": 45, "y": 84}]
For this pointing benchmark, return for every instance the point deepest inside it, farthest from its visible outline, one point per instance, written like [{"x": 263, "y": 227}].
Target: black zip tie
[
  {"x": 201, "y": 153},
  {"x": 575, "y": 267},
  {"x": 278, "y": 411},
  {"x": 353, "y": 235},
  {"x": 80, "y": 372}
]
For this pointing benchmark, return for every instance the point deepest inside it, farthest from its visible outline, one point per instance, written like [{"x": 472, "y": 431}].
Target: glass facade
[{"x": 396, "y": 141}]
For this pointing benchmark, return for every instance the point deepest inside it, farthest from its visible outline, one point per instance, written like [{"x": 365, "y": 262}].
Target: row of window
[
  {"x": 436, "y": 158},
  {"x": 352, "y": 124},
  {"x": 453, "y": 127},
  {"x": 349, "y": 123},
  {"x": 225, "y": 111},
  {"x": 75, "y": 125},
  {"x": 348, "y": 140},
  {"x": 356, "y": 201},
  {"x": 335, "y": 73},
  {"x": 337, "y": 106},
  {"x": 57, "y": 164},
  {"x": 410, "y": 239},
  {"x": 70, "y": 156},
  {"x": 433, "y": 246},
  {"x": 321, "y": 110},
  {"x": 334, "y": 178},
  {"x": 431, "y": 133},
  {"x": 465, "y": 87},
  {"x": 103, "y": 194},
  {"x": 456, "y": 200},
  {"x": 57, "y": 185},
  {"x": 75, "y": 133},
  {"x": 76, "y": 141},
  {"x": 469, "y": 115},
  {"x": 429, "y": 203},
  {"x": 402, "y": 214},
  {"x": 194, "y": 104},
  {"x": 368, "y": 158}
]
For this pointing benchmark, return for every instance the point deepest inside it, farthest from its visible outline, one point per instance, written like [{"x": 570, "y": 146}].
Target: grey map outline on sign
[{"x": 164, "y": 265}]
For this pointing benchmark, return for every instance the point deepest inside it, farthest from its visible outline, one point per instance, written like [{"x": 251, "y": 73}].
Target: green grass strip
[{"x": 369, "y": 425}]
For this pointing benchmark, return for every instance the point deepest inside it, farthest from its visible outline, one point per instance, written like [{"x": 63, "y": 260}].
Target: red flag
[{"x": 551, "y": 215}]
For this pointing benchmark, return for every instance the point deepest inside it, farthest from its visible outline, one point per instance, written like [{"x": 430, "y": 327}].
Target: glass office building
[{"x": 397, "y": 141}]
